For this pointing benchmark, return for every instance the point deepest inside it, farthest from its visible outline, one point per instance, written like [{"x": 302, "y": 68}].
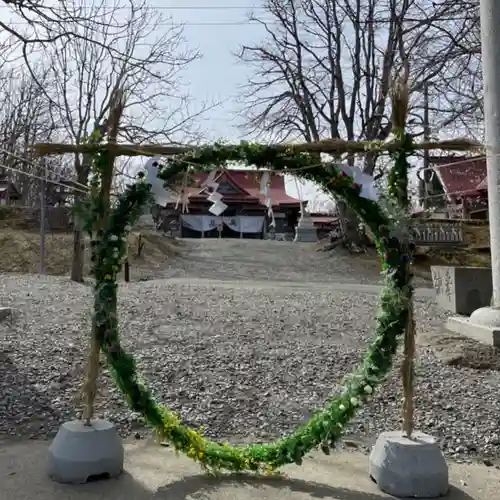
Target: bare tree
[
  {"x": 33, "y": 25},
  {"x": 25, "y": 118},
  {"x": 457, "y": 89},
  {"x": 85, "y": 75},
  {"x": 325, "y": 69}
]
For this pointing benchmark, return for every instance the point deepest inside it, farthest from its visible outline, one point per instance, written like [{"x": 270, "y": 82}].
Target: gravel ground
[
  {"x": 274, "y": 261},
  {"x": 248, "y": 363}
]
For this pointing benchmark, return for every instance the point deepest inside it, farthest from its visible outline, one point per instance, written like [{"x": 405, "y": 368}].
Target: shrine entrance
[{"x": 231, "y": 226}]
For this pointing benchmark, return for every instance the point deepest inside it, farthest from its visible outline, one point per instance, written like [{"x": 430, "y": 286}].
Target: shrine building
[{"x": 246, "y": 216}]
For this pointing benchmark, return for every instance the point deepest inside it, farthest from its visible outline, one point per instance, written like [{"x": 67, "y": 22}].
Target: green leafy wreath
[{"x": 325, "y": 427}]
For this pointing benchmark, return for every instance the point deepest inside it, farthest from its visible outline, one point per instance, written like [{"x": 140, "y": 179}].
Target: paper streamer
[
  {"x": 264, "y": 189},
  {"x": 160, "y": 195},
  {"x": 264, "y": 183},
  {"x": 214, "y": 197},
  {"x": 368, "y": 189},
  {"x": 217, "y": 208},
  {"x": 273, "y": 220},
  {"x": 210, "y": 180},
  {"x": 182, "y": 197}
]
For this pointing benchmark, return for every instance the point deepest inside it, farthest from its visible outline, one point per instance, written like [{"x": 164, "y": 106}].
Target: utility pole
[
  {"x": 427, "y": 135},
  {"x": 490, "y": 46},
  {"x": 43, "y": 190},
  {"x": 424, "y": 175}
]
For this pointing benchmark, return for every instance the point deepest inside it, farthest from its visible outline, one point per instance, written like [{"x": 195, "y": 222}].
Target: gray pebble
[{"x": 248, "y": 363}]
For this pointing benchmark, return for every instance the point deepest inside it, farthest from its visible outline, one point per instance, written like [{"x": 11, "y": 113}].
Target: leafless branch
[
  {"x": 85, "y": 75},
  {"x": 324, "y": 69}
]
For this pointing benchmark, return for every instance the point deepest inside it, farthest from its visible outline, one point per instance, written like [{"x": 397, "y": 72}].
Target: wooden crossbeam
[
  {"x": 48, "y": 148},
  {"x": 328, "y": 146}
]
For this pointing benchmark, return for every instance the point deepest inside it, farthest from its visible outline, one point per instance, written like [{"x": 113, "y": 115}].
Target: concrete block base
[
  {"x": 462, "y": 325},
  {"x": 414, "y": 468},
  {"x": 80, "y": 453}
]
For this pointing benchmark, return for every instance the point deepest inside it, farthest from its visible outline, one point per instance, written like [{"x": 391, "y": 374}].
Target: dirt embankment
[{"x": 20, "y": 252}]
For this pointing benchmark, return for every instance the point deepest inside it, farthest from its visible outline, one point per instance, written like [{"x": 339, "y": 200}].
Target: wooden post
[
  {"x": 126, "y": 264},
  {"x": 43, "y": 201},
  {"x": 90, "y": 386}
]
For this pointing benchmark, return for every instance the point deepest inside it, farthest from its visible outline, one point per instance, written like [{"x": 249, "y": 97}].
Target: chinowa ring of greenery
[{"x": 325, "y": 427}]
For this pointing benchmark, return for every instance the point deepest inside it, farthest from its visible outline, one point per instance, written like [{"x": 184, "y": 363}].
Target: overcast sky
[{"x": 218, "y": 30}]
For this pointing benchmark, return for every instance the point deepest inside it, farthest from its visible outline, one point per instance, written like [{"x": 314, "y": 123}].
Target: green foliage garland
[{"x": 325, "y": 426}]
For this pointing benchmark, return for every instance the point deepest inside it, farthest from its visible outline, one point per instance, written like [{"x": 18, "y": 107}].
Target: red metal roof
[
  {"x": 460, "y": 176},
  {"x": 248, "y": 181}
]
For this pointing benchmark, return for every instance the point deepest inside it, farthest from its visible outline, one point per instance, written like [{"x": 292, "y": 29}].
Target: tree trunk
[
  {"x": 78, "y": 262},
  {"x": 350, "y": 224},
  {"x": 82, "y": 169}
]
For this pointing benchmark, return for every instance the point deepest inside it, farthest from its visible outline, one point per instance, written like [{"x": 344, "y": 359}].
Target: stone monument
[
  {"x": 305, "y": 231},
  {"x": 462, "y": 290},
  {"x": 467, "y": 292}
]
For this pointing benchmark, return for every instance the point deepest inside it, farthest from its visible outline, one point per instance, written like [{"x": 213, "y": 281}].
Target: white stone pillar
[{"x": 490, "y": 39}]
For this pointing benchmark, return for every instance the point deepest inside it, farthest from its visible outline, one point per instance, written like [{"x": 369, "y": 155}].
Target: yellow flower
[
  {"x": 269, "y": 469},
  {"x": 108, "y": 277}
]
